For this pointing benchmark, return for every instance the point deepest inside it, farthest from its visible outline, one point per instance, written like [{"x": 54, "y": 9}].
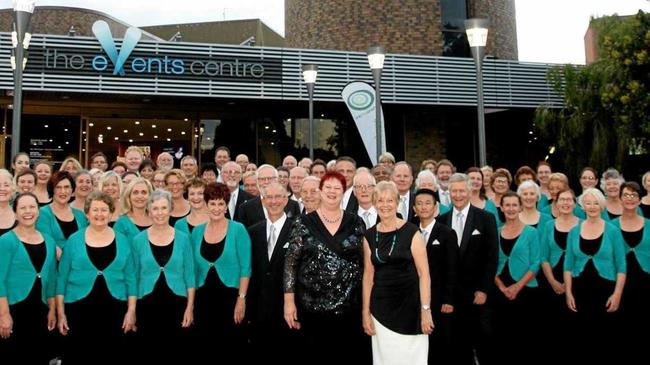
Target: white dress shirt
[
  {"x": 278, "y": 227},
  {"x": 454, "y": 221},
  {"x": 426, "y": 231},
  {"x": 233, "y": 203},
  {"x": 346, "y": 198},
  {"x": 404, "y": 210},
  {"x": 372, "y": 215}
]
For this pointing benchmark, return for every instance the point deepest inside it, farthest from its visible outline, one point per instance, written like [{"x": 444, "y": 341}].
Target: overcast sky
[{"x": 547, "y": 30}]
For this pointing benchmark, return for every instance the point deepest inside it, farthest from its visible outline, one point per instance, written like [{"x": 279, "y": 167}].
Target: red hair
[{"x": 332, "y": 175}]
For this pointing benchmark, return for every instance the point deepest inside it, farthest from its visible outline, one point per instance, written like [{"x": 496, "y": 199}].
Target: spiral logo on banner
[{"x": 361, "y": 100}]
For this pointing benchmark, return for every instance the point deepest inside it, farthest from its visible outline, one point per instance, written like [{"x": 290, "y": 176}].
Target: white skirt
[{"x": 390, "y": 347}]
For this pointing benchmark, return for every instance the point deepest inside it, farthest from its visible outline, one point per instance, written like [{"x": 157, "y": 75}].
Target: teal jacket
[
  {"x": 47, "y": 224},
  {"x": 604, "y": 215},
  {"x": 525, "y": 256},
  {"x": 543, "y": 219},
  {"x": 126, "y": 227},
  {"x": 609, "y": 260},
  {"x": 77, "y": 274},
  {"x": 492, "y": 208},
  {"x": 543, "y": 202},
  {"x": 181, "y": 225},
  {"x": 179, "y": 270},
  {"x": 17, "y": 273},
  {"x": 642, "y": 251},
  {"x": 551, "y": 252},
  {"x": 235, "y": 261}
]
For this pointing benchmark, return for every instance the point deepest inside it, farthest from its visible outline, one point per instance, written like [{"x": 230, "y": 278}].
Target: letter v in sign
[{"x": 105, "y": 38}]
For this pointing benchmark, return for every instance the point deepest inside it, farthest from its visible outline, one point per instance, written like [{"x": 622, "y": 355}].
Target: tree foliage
[{"x": 606, "y": 113}]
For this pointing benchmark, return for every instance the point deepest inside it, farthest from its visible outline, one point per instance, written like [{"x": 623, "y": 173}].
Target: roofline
[
  {"x": 48, "y": 7},
  {"x": 215, "y": 21}
]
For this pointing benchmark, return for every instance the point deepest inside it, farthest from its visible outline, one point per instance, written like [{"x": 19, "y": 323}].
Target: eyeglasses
[
  {"x": 268, "y": 178},
  {"x": 275, "y": 197},
  {"x": 630, "y": 196},
  {"x": 364, "y": 187},
  {"x": 499, "y": 181},
  {"x": 587, "y": 178},
  {"x": 565, "y": 200}
]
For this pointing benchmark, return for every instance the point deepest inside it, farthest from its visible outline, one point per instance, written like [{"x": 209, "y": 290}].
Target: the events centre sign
[{"x": 125, "y": 61}]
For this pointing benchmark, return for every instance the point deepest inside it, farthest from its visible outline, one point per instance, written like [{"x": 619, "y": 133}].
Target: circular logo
[{"x": 360, "y": 100}]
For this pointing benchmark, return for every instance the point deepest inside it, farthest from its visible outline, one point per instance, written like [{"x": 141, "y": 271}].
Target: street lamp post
[
  {"x": 477, "y": 31},
  {"x": 20, "y": 38},
  {"x": 309, "y": 73},
  {"x": 376, "y": 56}
]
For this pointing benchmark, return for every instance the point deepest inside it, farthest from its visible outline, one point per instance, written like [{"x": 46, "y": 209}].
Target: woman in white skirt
[{"x": 396, "y": 285}]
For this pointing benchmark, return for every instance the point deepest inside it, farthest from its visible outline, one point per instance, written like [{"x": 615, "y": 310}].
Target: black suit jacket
[
  {"x": 266, "y": 291},
  {"x": 242, "y": 197},
  {"x": 443, "y": 264},
  {"x": 353, "y": 204},
  {"x": 252, "y": 211},
  {"x": 478, "y": 255}
]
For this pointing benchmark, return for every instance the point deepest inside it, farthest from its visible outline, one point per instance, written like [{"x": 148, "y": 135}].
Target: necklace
[
  {"x": 392, "y": 245},
  {"x": 330, "y": 221}
]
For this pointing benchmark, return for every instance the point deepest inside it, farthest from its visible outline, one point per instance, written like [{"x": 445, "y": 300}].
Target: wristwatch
[
  {"x": 426, "y": 307},
  {"x": 241, "y": 296}
]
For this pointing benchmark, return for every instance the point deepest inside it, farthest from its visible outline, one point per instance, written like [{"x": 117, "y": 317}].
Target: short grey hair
[
  {"x": 362, "y": 171},
  {"x": 313, "y": 178},
  {"x": 267, "y": 166},
  {"x": 602, "y": 202},
  {"x": 426, "y": 174},
  {"x": 386, "y": 156},
  {"x": 529, "y": 184},
  {"x": 608, "y": 175},
  {"x": 160, "y": 194},
  {"x": 273, "y": 185},
  {"x": 459, "y": 177}
]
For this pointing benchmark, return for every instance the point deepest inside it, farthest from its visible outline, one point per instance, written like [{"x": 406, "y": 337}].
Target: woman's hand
[
  {"x": 240, "y": 309},
  {"x": 63, "y": 324},
  {"x": 571, "y": 302},
  {"x": 427, "y": 322},
  {"x": 368, "y": 324},
  {"x": 291, "y": 314},
  {"x": 188, "y": 317},
  {"x": 6, "y": 325},
  {"x": 558, "y": 287},
  {"x": 51, "y": 319},
  {"x": 613, "y": 302},
  {"x": 512, "y": 291},
  {"x": 129, "y": 322}
]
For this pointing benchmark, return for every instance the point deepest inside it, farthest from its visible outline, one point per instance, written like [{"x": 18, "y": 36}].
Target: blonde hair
[
  {"x": 74, "y": 161},
  {"x": 125, "y": 198},
  {"x": 385, "y": 186},
  {"x": 107, "y": 175}
]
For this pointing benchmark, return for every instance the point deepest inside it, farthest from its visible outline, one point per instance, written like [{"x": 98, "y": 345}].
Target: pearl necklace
[{"x": 327, "y": 220}]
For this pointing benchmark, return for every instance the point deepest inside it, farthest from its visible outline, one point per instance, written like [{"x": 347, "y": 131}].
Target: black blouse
[{"x": 325, "y": 271}]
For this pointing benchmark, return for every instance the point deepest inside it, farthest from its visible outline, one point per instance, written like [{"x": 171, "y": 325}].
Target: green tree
[{"x": 606, "y": 111}]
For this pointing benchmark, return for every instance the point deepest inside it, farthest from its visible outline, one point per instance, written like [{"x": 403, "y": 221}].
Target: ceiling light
[
  {"x": 91, "y": 124},
  {"x": 153, "y": 126},
  {"x": 130, "y": 141},
  {"x": 169, "y": 129},
  {"x": 183, "y": 132},
  {"x": 137, "y": 122},
  {"x": 169, "y": 139},
  {"x": 186, "y": 119},
  {"x": 109, "y": 128},
  {"x": 141, "y": 134},
  {"x": 117, "y": 138},
  {"x": 46, "y": 126},
  {"x": 126, "y": 131},
  {"x": 156, "y": 137}
]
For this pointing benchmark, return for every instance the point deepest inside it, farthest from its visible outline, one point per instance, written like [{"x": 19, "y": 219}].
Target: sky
[{"x": 547, "y": 30}]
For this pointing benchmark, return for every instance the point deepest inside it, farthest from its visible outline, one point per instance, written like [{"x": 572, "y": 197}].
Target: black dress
[
  {"x": 30, "y": 342},
  {"x": 592, "y": 324},
  {"x": 160, "y": 314},
  {"x": 395, "y": 296},
  {"x": 95, "y": 321},
  {"x": 324, "y": 271},
  {"x": 645, "y": 208},
  {"x": 67, "y": 227},
  {"x": 5, "y": 230},
  {"x": 214, "y": 310},
  {"x": 174, "y": 219}
]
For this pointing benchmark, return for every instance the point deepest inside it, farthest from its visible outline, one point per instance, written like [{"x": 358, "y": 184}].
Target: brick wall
[{"x": 502, "y": 36}]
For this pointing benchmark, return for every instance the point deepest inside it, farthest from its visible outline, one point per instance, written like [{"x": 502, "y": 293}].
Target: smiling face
[
  {"x": 111, "y": 187},
  {"x": 588, "y": 180},
  {"x": 630, "y": 199},
  {"x": 43, "y": 173},
  {"x": 511, "y": 207},
  {"x": 459, "y": 193},
  {"x": 529, "y": 198},
  {"x": 26, "y": 211},
  {"x": 26, "y": 183},
  {"x": 275, "y": 200},
  {"x": 175, "y": 186},
  {"x": 591, "y": 206},
  {"x": 543, "y": 174},
  {"x": 21, "y": 163},
  {"x": 612, "y": 188},
  {"x": 6, "y": 188},
  {"x": 99, "y": 162},
  {"x": 189, "y": 167},
  {"x": 63, "y": 191},
  {"x": 310, "y": 195},
  {"x": 83, "y": 185},
  {"x": 139, "y": 196},
  {"x": 332, "y": 192},
  {"x": 403, "y": 178},
  {"x": 195, "y": 197},
  {"x": 363, "y": 189},
  {"x": 217, "y": 209},
  {"x": 99, "y": 214},
  {"x": 386, "y": 204},
  {"x": 476, "y": 181},
  {"x": 566, "y": 202},
  {"x": 133, "y": 160},
  {"x": 425, "y": 206},
  {"x": 160, "y": 211}
]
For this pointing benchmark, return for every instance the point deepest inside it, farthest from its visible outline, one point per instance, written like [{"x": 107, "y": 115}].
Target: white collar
[
  {"x": 464, "y": 211},
  {"x": 429, "y": 227},
  {"x": 278, "y": 224}
]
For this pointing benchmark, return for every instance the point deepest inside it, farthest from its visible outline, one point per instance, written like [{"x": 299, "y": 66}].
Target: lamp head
[
  {"x": 25, "y": 5},
  {"x": 376, "y": 56},
  {"x": 477, "y": 31},
  {"x": 309, "y": 73}
]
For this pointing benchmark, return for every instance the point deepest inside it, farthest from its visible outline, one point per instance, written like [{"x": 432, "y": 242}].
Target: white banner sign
[{"x": 360, "y": 99}]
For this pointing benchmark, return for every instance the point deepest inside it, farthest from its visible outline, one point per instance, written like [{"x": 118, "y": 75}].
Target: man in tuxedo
[
  {"x": 402, "y": 176},
  {"x": 442, "y": 254},
  {"x": 231, "y": 174},
  {"x": 347, "y": 167},
  {"x": 364, "y": 187},
  {"x": 476, "y": 231},
  {"x": 252, "y": 211},
  {"x": 444, "y": 169},
  {"x": 270, "y": 334},
  {"x": 296, "y": 176}
]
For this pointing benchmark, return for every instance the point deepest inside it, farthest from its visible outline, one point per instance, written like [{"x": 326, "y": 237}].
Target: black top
[
  {"x": 190, "y": 227},
  {"x": 612, "y": 216},
  {"x": 560, "y": 238},
  {"x": 5, "y": 230},
  {"x": 67, "y": 228},
  {"x": 645, "y": 208},
  {"x": 633, "y": 238},
  {"x": 174, "y": 219},
  {"x": 37, "y": 253},
  {"x": 42, "y": 204},
  {"x": 212, "y": 251},
  {"x": 507, "y": 244},
  {"x": 324, "y": 270},
  {"x": 101, "y": 257},
  {"x": 395, "y": 296},
  {"x": 141, "y": 228},
  {"x": 162, "y": 253},
  {"x": 590, "y": 247}
]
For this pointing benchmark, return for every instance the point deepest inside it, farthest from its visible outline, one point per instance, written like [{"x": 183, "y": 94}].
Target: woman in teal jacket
[
  {"x": 529, "y": 192},
  {"x": 57, "y": 219},
  {"x": 636, "y": 238},
  {"x": 96, "y": 286},
  {"x": 519, "y": 258},
  {"x": 166, "y": 282},
  {"x": 27, "y": 286},
  {"x": 135, "y": 217},
  {"x": 594, "y": 277},
  {"x": 222, "y": 259}
]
